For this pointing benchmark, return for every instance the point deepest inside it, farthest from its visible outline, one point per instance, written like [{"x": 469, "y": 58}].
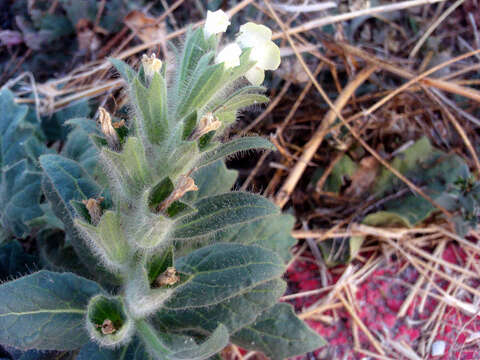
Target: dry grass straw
[{"x": 420, "y": 248}]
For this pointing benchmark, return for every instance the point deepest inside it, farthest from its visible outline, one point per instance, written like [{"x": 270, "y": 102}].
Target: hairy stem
[{"x": 151, "y": 340}]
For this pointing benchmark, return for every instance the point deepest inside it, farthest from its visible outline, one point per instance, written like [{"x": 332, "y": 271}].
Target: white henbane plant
[{"x": 182, "y": 265}]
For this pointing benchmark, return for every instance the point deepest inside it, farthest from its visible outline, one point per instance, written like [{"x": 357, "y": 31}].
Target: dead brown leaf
[
  {"x": 147, "y": 28},
  {"x": 363, "y": 178}
]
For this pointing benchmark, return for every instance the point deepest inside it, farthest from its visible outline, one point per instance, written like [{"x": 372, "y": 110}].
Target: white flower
[
  {"x": 229, "y": 55},
  {"x": 151, "y": 65},
  {"x": 216, "y": 22},
  {"x": 263, "y": 50}
]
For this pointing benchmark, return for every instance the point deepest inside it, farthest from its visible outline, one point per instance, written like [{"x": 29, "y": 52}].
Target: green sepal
[
  {"x": 159, "y": 193},
  {"x": 205, "y": 141},
  {"x": 159, "y": 263},
  {"x": 141, "y": 298},
  {"x": 102, "y": 308},
  {"x": 107, "y": 239},
  {"x": 178, "y": 209},
  {"x": 130, "y": 166}
]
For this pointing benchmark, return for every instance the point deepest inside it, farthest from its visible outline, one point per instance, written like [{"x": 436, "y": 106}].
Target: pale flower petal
[
  {"x": 253, "y": 35},
  {"x": 151, "y": 65},
  {"x": 229, "y": 55},
  {"x": 267, "y": 56},
  {"x": 255, "y": 76},
  {"x": 216, "y": 22}
]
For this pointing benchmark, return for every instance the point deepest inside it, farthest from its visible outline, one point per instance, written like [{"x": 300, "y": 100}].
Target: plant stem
[{"x": 151, "y": 340}]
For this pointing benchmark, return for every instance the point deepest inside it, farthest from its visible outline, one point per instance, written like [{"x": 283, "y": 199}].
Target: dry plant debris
[{"x": 360, "y": 80}]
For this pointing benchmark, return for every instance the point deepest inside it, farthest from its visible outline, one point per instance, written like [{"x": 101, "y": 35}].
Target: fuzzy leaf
[
  {"x": 130, "y": 165},
  {"x": 234, "y": 313},
  {"x": 20, "y": 193},
  {"x": 14, "y": 261},
  {"x": 21, "y": 142},
  {"x": 19, "y": 135},
  {"x": 214, "y": 344},
  {"x": 204, "y": 88},
  {"x": 235, "y": 146},
  {"x": 211, "y": 180},
  {"x": 45, "y": 311},
  {"x": 195, "y": 47},
  {"x": 222, "y": 271},
  {"x": 133, "y": 351},
  {"x": 220, "y": 212},
  {"x": 152, "y": 103},
  {"x": 127, "y": 73},
  {"x": 79, "y": 145},
  {"x": 279, "y": 334},
  {"x": 69, "y": 179},
  {"x": 241, "y": 101},
  {"x": 272, "y": 232},
  {"x": 108, "y": 239},
  {"x": 57, "y": 253},
  {"x": 65, "y": 180},
  {"x": 160, "y": 192}
]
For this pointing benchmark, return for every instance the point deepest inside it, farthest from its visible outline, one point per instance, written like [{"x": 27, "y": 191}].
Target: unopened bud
[
  {"x": 207, "y": 123},
  {"x": 94, "y": 209},
  {"x": 168, "y": 277},
  {"x": 184, "y": 185},
  {"x": 107, "y": 128},
  {"x": 151, "y": 65}
]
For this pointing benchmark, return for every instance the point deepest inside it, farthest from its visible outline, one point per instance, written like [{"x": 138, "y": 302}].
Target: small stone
[{"x": 438, "y": 348}]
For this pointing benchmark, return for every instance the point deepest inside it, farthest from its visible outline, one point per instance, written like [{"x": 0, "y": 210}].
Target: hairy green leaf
[
  {"x": 211, "y": 180},
  {"x": 214, "y": 344},
  {"x": 279, "y": 334},
  {"x": 45, "y": 311},
  {"x": 234, "y": 313},
  {"x": 15, "y": 261},
  {"x": 152, "y": 104},
  {"x": 133, "y": 351},
  {"x": 127, "y": 73},
  {"x": 220, "y": 212},
  {"x": 222, "y": 271},
  {"x": 271, "y": 232},
  {"x": 20, "y": 193},
  {"x": 235, "y": 146}
]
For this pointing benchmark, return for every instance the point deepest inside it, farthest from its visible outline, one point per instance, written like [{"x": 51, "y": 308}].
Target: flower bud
[
  {"x": 107, "y": 128},
  {"x": 151, "y": 65}
]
